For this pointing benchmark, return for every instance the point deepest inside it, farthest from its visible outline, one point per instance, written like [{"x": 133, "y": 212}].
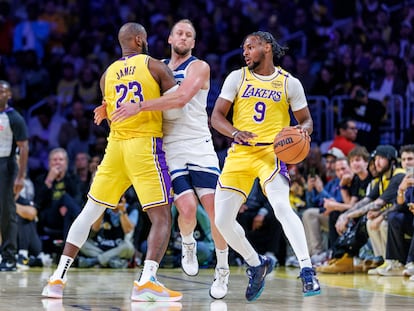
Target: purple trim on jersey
[
  {"x": 165, "y": 177},
  {"x": 232, "y": 189},
  {"x": 280, "y": 168},
  {"x": 128, "y": 56}
]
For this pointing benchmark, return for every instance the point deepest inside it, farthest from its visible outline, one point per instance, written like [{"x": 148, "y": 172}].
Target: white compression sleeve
[
  {"x": 227, "y": 205},
  {"x": 278, "y": 194},
  {"x": 81, "y": 226}
]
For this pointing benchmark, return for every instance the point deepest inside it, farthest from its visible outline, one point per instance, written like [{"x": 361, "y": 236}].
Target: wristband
[{"x": 235, "y": 133}]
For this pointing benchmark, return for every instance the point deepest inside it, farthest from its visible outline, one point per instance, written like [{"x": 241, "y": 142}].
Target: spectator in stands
[
  {"x": 69, "y": 129},
  {"x": 87, "y": 88},
  {"x": 316, "y": 217},
  {"x": 389, "y": 82},
  {"x": 304, "y": 74},
  {"x": 81, "y": 169},
  {"x": 381, "y": 196},
  {"x": 367, "y": 113},
  {"x": 400, "y": 224},
  {"x": 57, "y": 195},
  {"x": 345, "y": 136},
  {"x": 315, "y": 162},
  {"x": 31, "y": 34},
  {"x": 329, "y": 160},
  {"x": 82, "y": 141},
  {"x": 65, "y": 90},
  {"x": 110, "y": 243},
  {"x": 44, "y": 128}
]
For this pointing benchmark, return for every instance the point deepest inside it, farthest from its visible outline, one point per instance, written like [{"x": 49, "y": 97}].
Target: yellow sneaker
[
  {"x": 154, "y": 291},
  {"x": 54, "y": 289}
]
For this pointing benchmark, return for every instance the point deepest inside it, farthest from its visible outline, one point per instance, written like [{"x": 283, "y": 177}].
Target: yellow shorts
[
  {"x": 244, "y": 163},
  {"x": 139, "y": 162}
]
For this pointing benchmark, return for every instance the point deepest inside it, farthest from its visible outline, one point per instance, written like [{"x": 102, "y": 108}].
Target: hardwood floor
[{"x": 107, "y": 289}]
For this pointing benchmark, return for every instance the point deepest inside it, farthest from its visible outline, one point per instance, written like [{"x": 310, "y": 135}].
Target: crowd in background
[{"x": 53, "y": 52}]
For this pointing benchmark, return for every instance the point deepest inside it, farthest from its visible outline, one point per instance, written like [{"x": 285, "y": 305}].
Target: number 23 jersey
[{"x": 129, "y": 79}]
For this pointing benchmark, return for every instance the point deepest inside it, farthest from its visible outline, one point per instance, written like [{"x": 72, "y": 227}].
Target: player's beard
[
  {"x": 253, "y": 65},
  {"x": 181, "y": 51}
]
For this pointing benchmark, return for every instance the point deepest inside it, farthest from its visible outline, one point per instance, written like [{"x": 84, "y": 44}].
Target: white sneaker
[
  {"x": 54, "y": 289},
  {"x": 189, "y": 262},
  {"x": 219, "y": 287},
  {"x": 391, "y": 268},
  {"x": 409, "y": 269}
]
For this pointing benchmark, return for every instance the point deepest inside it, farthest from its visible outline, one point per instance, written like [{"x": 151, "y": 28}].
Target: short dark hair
[
  {"x": 265, "y": 36},
  {"x": 407, "y": 148}
]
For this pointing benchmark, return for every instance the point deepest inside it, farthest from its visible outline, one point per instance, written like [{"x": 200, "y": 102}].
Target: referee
[{"x": 13, "y": 134}]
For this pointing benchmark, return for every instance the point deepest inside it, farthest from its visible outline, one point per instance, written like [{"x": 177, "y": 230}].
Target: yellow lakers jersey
[
  {"x": 129, "y": 79},
  {"x": 261, "y": 105}
]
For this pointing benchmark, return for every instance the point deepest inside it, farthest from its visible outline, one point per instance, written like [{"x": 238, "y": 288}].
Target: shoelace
[
  {"x": 307, "y": 275},
  {"x": 189, "y": 252},
  {"x": 222, "y": 274}
]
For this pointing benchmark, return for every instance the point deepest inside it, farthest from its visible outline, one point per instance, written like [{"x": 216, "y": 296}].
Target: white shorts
[{"x": 192, "y": 164}]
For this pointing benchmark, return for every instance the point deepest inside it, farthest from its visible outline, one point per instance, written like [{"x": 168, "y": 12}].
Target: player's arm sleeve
[
  {"x": 296, "y": 94},
  {"x": 231, "y": 85}
]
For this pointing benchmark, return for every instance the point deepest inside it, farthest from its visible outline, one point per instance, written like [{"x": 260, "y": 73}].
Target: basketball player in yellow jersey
[
  {"x": 133, "y": 156},
  {"x": 261, "y": 95}
]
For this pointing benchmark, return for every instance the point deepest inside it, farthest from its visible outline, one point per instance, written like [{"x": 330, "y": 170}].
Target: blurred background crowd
[{"x": 355, "y": 60}]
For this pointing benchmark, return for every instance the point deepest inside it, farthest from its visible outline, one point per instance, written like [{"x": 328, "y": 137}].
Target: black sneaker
[
  {"x": 22, "y": 262},
  {"x": 257, "y": 277},
  {"x": 6, "y": 265}
]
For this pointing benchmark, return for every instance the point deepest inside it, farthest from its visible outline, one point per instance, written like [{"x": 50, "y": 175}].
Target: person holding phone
[{"x": 400, "y": 223}]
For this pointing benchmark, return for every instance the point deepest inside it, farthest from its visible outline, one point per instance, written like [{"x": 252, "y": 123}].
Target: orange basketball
[{"x": 291, "y": 146}]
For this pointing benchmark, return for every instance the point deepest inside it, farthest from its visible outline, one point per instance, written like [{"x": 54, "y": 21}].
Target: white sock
[
  {"x": 150, "y": 270},
  {"x": 188, "y": 239},
  {"x": 64, "y": 264},
  {"x": 222, "y": 256}
]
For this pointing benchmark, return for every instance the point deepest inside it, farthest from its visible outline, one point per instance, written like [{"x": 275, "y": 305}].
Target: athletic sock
[
  {"x": 149, "y": 270},
  {"x": 64, "y": 264},
  {"x": 222, "y": 256}
]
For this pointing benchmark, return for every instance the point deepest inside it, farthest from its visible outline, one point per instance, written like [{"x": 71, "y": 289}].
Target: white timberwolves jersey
[{"x": 189, "y": 122}]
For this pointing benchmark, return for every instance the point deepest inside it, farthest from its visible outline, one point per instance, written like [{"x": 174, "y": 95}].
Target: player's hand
[
  {"x": 303, "y": 131},
  {"x": 244, "y": 137},
  {"x": 125, "y": 111},
  {"x": 100, "y": 113}
]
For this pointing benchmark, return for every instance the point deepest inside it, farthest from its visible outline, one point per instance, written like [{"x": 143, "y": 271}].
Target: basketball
[{"x": 291, "y": 146}]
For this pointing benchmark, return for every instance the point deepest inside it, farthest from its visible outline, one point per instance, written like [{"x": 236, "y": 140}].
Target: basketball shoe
[
  {"x": 219, "y": 287},
  {"x": 189, "y": 262},
  {"x": 22, "y": 263},
  {"x": 54, "y": 289},
  {"x": 310, "y": 283},
  {"x": 257, "y": 277},
  {"x": 154, "y": 291},
  {"x": 7, "y": 265}
]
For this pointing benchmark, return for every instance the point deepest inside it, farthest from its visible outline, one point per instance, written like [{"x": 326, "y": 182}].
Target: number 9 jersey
[{"x": 129, "y": 79}]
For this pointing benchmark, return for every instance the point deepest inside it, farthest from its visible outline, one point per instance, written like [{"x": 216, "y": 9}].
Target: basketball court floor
[{"x": 109, "y": 289}]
